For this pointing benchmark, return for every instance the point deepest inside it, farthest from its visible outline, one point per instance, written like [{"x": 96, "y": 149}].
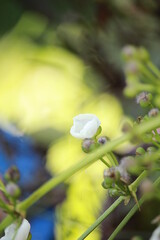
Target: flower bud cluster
[
  {"x": 117, "y": 179},
  {"x": 144, "y": 160},
  {"x": 90, "y": 144},
  {"x": 12, "y": 177},
  {"x": 136, "y": 70}
]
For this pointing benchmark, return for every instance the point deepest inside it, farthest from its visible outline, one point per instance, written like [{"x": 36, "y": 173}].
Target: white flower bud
[
  {"x": 85, "y": 126},
  {"x": 13, "y": 232}
]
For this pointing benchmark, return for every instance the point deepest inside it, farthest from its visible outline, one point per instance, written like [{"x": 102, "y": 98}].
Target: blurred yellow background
[{"x": 42, "y": 87}]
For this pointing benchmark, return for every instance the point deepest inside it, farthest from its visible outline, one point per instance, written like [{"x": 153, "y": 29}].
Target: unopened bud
[
  {"x": 124, "y": 168},
  {"x": 139, "y": 119},
  {"x": 151, "y": 150},
  {"x": 144, "y": 99},
  {"x": 153, "y": 112},
  {"x": 12, "y": 174},
  {"x": 107, "y": 183},
  {"x": 130, "y": 90},
  {"x": 127, "y": 162},
  {"x": 142, "y": 54},
  {"x": 112, "y": 173},
  {"x": 113, "y": 192},
  {"x": 126, "y": 127},
  {"x": 88, "y": 145},
  {"x": 13, "y": 190},
  {"x": 128, "y": 52},
  {"x": 146, "y": 186},
  {"x": 140, "y": 151},
  {"x": 132, "y": 67},
  {"x": 103, "y": 140}
]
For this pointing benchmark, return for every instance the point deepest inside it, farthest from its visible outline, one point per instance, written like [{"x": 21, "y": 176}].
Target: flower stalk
[{"x": 90, "y": 159}]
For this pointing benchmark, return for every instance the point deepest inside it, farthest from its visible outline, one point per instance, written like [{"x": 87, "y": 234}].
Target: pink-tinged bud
[
  {"x": 13, "y": 190},
  {"x": 128, "y": 52},
  {"x": 103, "y": 140},
  {"x": 153, "y": 112},
  {"x": 132, "y": 67},
  {"x": 146, "y": 186},
  {"x": 12, "y": 174},
  {"x": 144, "y": 99},
  {"x": 88, "y": 145}
]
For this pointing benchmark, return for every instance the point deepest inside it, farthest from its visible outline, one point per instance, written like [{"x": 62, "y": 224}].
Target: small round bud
[
  {"x": 139, "y": 119},
  {"x": 132, "y": 67},
  {"x": 148, "y": 137},
  {"x": 124, "y": 167},
  {"x": 146, "y": 186},
  {"x": 126, "y": 162},
  {"x": 158, "y": 130},
  {"x": 107, "y": 183},
  {"x": 12, "y": 174},
  {"x": 140, "y": 151},
  {"x": 151, "y": 150},
  {"x": 142, "y": 54},
  {"x": 113, "y": 192},
  {"x": 128, "y": 52},
  {"x": 113, "y": 173},
  {"x": 88, "y": 145},
  {"x": 130, "y": 91},
  {"x": 144, "y": 99},
  {"x": 13, "y": 190},
  {"x": 103, "y": 140},
  {"x": 126, "y": 127},
  {"x": 153, "y": 112}
]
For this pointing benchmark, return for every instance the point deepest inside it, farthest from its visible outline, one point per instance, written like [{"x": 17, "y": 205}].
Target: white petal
[
  {"x": 75, "y": 134},
  {"x": 156, "y": 234},
  {"x": 85, "y": 126},
  {"x": 23, "y": 231},
  {"x": 9, "y": 232},
  {"x": 90, "y": 129}
]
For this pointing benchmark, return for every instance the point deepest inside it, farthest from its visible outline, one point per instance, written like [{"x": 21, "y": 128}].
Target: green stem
[
  {"x": 135, "y": 184},
  {"x": 149, "y": 75},
  {"x": 102, "y": 160},
  {"x": 114, "y": 158},
  {"x": 155, "y": 143},
  {"x": 108, "y": 155},
  {"x": 101, "y": 218},
  {"x": 132, "y": 186},
  {"x": 93, "y": 157},
  {"x": 130, "y": 214},
  {"x": 153, "y": 68},
  {"x": 46, "y": 187}
]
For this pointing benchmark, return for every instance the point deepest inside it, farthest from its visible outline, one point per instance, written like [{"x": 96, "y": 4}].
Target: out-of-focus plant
[{"x": 144, "y": 165}]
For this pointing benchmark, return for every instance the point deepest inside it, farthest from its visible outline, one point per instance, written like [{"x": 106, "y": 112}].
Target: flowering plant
[{"x": 122, "y": 177}]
